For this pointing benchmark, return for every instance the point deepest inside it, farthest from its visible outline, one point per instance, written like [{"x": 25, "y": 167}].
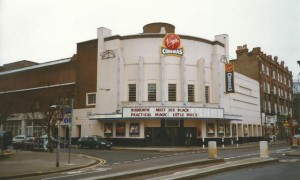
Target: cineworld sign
[
  {"x": 171, "y": 45},
  {"x": 229, "y": 75},
  {"x": 172, "y": 112}
]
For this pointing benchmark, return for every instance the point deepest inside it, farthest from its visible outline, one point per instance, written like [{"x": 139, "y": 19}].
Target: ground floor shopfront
[{"x": 178, "y": 132}]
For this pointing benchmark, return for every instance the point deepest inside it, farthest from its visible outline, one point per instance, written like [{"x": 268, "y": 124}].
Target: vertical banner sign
[
  {"x": 171, "y": 45},
  {"x": 229, "y": 75}
]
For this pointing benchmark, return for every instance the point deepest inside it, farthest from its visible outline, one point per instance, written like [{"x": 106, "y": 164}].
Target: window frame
[
  {"x": 88, "y": 99},
  {"x": 152, "y": 92},
  {"x": 132, "y": 92},
  {"x": 172, "y": 91},
  {"x": 207, "y": 94},
  {"x": 191, "y": 92}
]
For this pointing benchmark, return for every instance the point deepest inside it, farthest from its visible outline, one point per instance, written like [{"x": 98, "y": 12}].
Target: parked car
[
  {"x": 29, "y": 143},
  {"x": 18, "y": 141},
  {"x": 94, "y": 141},
  {"x": 19, "y": 138},
  {"x": 23, "y": 142}
]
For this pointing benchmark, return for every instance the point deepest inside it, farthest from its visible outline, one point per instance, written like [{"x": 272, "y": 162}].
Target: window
[
  {"x": 191, "y": 94},
  {"x": 207, "y": 94},
  {"x": 210, "y": 129},
  {"x": 172, "y": 92},
  {"x": 151, "y": 92},
  {"x": 268, "y": 72},
  {"x": 90, "y": 99},
  {"x": 233, "y": 130},
  {"x": 262, "y": 68},
  {"x": 274, "y": 75},
  {"x": 108, "y": 130},
  {"x": 120, "y": 129},
  {"x": 134, "y": 129},
  {"x": 108, "y": 54},
  {"x": 132, "y": 92},
  {"x": 172, "y": 123}
]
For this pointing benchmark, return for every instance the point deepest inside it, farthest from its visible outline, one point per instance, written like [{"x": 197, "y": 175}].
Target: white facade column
[
  {"x": 201, "y": 81},
  {"x": 162, "y": 81},
  {"x": 215, "y": 78},
  {"x": 23, "y": 127},
  {"x": 184, "y": 83},
  {"x": 140, "y": 80},
  {"x": 118, "y": 84}
]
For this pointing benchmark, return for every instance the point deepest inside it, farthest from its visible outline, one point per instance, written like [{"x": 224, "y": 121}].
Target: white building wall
[
  {"x": 245, "y": 101},
  {"x": 130, "y": 51}
]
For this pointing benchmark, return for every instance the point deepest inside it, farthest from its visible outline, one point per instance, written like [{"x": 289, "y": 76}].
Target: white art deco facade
[{"x": 162, "y": 88}]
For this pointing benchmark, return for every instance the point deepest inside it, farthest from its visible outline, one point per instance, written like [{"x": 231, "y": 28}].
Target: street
[{"x": 128, "y": 160}]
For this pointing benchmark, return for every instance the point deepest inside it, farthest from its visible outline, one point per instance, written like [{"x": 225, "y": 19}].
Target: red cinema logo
[
  {"x": 171, "y": 46},
  {"x": 172, "y": 41},
  {"x": 229, "y": 67}
]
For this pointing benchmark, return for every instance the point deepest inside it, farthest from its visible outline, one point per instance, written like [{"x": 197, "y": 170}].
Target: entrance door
[{"x": 172, "y": 136}]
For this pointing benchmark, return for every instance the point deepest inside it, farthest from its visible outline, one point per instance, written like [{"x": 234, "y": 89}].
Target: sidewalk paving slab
[{"x": 28, "y": 163}]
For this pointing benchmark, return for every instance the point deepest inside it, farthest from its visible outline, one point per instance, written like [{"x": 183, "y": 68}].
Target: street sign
[{"x": 67, "y": 120}]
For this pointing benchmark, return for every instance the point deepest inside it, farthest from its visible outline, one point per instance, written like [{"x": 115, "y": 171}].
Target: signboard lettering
[
  {"x": 171, "y": 45},
  {"x": 229, "y": 75},
  {"x": 166, "y": 112}
]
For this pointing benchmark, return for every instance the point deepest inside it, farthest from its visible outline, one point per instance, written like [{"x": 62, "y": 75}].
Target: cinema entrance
[{"x": 170, "y": 133}]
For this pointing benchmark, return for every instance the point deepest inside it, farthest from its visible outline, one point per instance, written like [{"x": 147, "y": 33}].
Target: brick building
[
  {"x": 26, "y": 86},
  {"x": 276, "y": 87}
]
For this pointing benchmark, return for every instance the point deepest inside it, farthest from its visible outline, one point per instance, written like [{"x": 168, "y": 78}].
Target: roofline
[
  {"x": 51, "y": 63},
  {"x": 36, "y": 88},
  {"x": 156, "y": 35}
]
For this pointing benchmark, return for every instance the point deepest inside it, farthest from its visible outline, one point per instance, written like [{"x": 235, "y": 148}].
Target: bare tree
[
  {"x": 45, "y": 117},
  {"x": 5, "y": 114}
]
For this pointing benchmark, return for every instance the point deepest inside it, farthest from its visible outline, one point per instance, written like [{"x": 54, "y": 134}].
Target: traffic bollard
[
  {"x": 212, "y": 150},
  {"x": 264, "y": 149}
]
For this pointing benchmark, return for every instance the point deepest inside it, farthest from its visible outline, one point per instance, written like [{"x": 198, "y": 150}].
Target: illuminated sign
[
  {"x": 172, "y": 112},
  {"x": 171, "y": 45},
  {"x": 229, "y": 75}
]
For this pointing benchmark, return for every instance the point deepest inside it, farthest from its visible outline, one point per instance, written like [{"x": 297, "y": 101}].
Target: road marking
[
  {"x": 137, "y": 160},
  {"x": 73, "y": 172},
  {"x": 185, "y": 172},
  {"x": 117, "y": 163},
  {"x": 289, "y": 160},
  {"x": 146, "y": 159},
  {"x": 102, "y": 169},
  {"x": 246, "y": 155}
]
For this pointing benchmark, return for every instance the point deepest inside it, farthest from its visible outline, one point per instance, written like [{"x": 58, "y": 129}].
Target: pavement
[{"x": 17, "y": 164}]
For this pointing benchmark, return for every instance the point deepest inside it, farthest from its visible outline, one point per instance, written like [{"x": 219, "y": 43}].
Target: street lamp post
[
  {"x": 58, "y": 145},
  {"x": 58, "y": 129},
  {"x": 70, "y": 131}
]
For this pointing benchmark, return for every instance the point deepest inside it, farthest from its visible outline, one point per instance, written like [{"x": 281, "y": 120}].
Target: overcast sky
[{"x": 46, "y": 30}]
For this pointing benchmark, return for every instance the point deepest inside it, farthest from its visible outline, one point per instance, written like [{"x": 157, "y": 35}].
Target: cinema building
[
  {"x": 156, "y": 88},
  {"x": 162, "y": 88}
]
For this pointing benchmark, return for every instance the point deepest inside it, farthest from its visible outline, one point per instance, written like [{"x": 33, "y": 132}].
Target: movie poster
[{"x": 134, "y": 129}]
